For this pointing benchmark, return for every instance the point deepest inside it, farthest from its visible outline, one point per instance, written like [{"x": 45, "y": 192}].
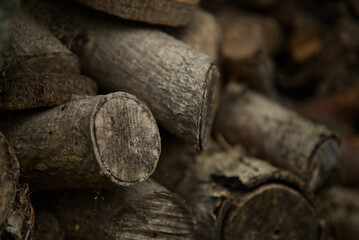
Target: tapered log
[
  {"x": 342, "y": 207},
  {"x": 178, "y": 83},
  {"x": 144, "y": 211},
  {"x": 33, "y": 90},
  {"x": 272, "y": 132},
  {"x": 16, "y": 212},
  {"x": 166, "y": 12},
  {"x": 203, "y": 33},
  {"x": 91, "y": 142},
  {"x": 228, "y": 190},
  {"x": 33, "y": 48},
  {"x": 248, "y": 41}
]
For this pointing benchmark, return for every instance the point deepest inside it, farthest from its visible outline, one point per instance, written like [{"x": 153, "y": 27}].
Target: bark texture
[
  {"x": 165, "y": 12},
  {"x": 16, "y": 212},
  {"x": 272, "y": 132},
  {"x": 178, "y": 83},
  {"x": 144, "y": 211},
  {"x": 33, "y": 48},
  {"x": 342, "y": 207},
  {"x": 227, "y": 190},
  {"x": 38, "y": 71},
  {"x": 203, "y": 33},
  {"x": 94, "y": 141},
  {"x": 33, "y": 90}
]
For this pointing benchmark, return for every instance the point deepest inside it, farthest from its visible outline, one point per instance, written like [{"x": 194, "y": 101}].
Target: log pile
[{"x": 179, "y": 119}]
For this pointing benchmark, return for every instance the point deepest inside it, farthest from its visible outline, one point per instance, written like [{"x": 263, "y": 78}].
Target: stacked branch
[
  {"x": 178, "y": 83},
  {"x": 165, "y": 12},
  {"x": 144, "y": 211},
  {"x": 91, "y": 142},
  {"x": 238, "y": 197},
  {"x": 38, "y": 70},
  {"x": 16, "y": 212},
  {"x": 277, "y": 134}
]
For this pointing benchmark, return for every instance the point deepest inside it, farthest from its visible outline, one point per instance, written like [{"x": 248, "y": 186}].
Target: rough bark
[
  {"x": 144, "y": 211},
  {"x": 91, "y": 142},
  {"x": 203, "y": 33},
  {"x": 33, "y": 48},
  {"x": 178, "y": 83},
  {"x": 16, "y": 213},
  {"x": 248, "y": 42},
  {"x": 33, "y": 90},
  {"x": 225, "y": 187},
  {"x": 342, "y": 207},
  {"x": 165, "y": 12},
  {"x": 277, "y": 134}
]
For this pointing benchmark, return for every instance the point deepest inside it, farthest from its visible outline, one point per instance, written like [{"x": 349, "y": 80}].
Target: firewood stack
[{"x": 179, "y": 119}]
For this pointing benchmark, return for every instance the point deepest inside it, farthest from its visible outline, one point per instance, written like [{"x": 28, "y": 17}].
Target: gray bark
[
  {"x": 178, "y": 83},
  {"x": 277, "y": 134},
  {"x": 95, "y": 141}
]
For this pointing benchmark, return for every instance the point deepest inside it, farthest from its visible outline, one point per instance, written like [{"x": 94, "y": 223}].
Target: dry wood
[
  {"x": 342, "y": 207},
  {"x": 144, "y": 211},
  {"x": 277, "y": 134},
  {"x": 16, "y": 213},
  {"x": 203, "y": 33},
  {"x": 33, "y": 90},
  {"x": 248, "y": 42},
  {"x": 178, "y": 83},
  {"x": 166, "y": 12},
  {"x": 91, "y": 142},
  {"x": 33, "y": 48},
  {"x": 228, "y": 190}
]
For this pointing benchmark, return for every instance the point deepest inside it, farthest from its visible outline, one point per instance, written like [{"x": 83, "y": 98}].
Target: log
[
  {"x": 235, "y": 196},
  {"x": 342, "y": 207},
  {"x": 144, "y": 211},
  {"x": 94, "y": 141},
  {"x": 248, "y": 42},
  {"x": 349, "y": 160},
  {"x": 203, "y": 33},
  {"x": 178, "y": 83},
  {"x": 16, "y": 212},
  {"x": 165, "y": 12},
  {"x": 33, "y": 48},
  {"x": 33, "y": 90},
  {"x": 277, "y": 134}
]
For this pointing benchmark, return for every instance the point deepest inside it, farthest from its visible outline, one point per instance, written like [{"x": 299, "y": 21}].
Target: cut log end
[
  {"x": 324, "y": 158},
  {"x": 209, "y": 106},
  {"x": 115, "y": 128},
  {"x": 155, "y": 216},
  {"x": 272, "y": 212}
]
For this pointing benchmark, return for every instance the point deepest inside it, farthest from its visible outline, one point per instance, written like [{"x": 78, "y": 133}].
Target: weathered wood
[
  {"x": 91, "y": 142},
  {"x": 33, "y": 90},
  {"x": 165, "y": 12},
  {"x": 248, "y": 41},
  {"x": 223, "y": 188},
  {"x": 21, "y": 218},
  {"x": 16, "y": 212},
  {"x": 342, "y": 207},
  {"x": 203, "y": 33},
  {"x": 178, "y": 83},
  {"x": 277, "y": 134},
  {"x": 144, "y": 211},
  {"x": 33, "y": 48}
]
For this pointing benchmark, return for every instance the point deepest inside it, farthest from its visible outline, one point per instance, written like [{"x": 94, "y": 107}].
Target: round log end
[
  {"x": 126, "y": 139},
  {"x": 159, "y": 215},
  {"x": 324, "y": 158},
  {"x": 273, "y": 211},
  {"x": 209, "y": 106}
]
